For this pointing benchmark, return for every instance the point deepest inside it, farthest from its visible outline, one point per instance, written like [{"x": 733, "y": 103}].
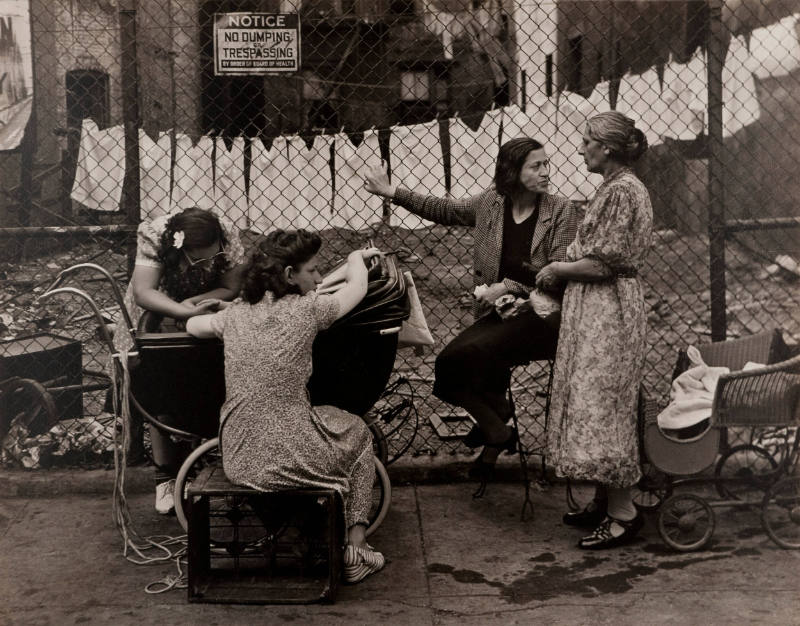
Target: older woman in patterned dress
[
  {"x": 601, "y": 348},
  {"x": 271, "y": 436}
]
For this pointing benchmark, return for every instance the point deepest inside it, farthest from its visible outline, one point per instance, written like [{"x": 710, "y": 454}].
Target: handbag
[{"x": 414, "y": 331}]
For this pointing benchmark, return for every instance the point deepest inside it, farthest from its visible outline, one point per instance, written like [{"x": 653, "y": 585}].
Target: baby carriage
[
  {"x": 760, "y": 405},
  {"x": 173, "y": 373}
]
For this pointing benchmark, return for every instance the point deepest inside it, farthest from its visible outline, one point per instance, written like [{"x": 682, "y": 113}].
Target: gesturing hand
[{"x": 376, "y": 180}]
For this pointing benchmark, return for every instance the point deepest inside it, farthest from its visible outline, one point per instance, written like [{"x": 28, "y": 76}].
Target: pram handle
[
  {"x": 63, "y": 274},
  {"x": 106, "y": 336}
]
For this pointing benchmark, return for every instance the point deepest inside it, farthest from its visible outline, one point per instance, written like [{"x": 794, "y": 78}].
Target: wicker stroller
[{"x": 760, "y": 405}]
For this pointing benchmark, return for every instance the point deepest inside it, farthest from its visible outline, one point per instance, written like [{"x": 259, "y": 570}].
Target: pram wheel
[
  {"x": 747, "y": 466},
  {"x": 380, "y": 447},
  {"x": 780, "y": 512},
  {"x": 208, "y": 453},
  {"x": 381, "y": 498},
  {"x": 204, "y": 455},
  {"x": 686, "y": 522}
]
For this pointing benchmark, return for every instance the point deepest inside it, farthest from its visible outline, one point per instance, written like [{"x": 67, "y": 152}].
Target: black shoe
[
  {"x": 481, "y": 470},
  {"x": 474, "y": 438},
  {"x": 603, "y": 538},
  {"x": 589, "y": 517}
]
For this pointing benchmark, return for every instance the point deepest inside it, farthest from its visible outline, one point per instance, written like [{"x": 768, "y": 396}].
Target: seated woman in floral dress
[{"x": 271, "y": 437}]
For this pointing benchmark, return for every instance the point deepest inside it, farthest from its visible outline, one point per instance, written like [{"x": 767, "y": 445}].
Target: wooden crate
[{"x": 251, "y": 547}]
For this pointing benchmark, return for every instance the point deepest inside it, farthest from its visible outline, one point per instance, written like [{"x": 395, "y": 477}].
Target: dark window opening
[
  {"x": 402, "y": 7},
  {"x": 502, "y": 94},
  {"x": 574, "y": 73},
  {"x": 87, "y": 96},
  {"x": 322, "y": 116}
]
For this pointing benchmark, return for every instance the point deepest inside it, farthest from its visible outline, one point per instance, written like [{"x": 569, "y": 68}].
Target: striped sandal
[{"x": 361, "y": 562}]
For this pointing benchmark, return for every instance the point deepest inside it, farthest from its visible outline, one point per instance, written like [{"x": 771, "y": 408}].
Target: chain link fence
[{"x": 267, "y": 112}]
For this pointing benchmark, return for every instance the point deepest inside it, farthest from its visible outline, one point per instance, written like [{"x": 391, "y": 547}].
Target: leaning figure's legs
[{"x": 473, "y": 371}]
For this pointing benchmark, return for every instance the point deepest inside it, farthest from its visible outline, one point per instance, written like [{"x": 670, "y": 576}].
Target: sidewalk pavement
[{"x": 451, "y": 560}]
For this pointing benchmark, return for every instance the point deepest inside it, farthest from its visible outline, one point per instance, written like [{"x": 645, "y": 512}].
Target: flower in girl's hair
[{"x": 177, "y": 239}]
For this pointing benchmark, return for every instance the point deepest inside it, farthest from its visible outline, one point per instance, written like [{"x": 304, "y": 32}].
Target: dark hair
[
  {"x": 271, "y": 256},
  {"x": 619, "y": 134},
  {"x": 510, "y": 160},
  {"x": 200, "y": 229}
]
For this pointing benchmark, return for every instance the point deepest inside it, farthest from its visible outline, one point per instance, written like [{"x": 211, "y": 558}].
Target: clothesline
[{"x": 292, "y": 183}]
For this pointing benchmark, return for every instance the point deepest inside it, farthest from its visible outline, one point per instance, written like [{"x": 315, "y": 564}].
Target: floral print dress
[
  {"x": 592, "y": 434},
  {"x": 193, "y": 281},
  {"x": 271, "y": 436}
]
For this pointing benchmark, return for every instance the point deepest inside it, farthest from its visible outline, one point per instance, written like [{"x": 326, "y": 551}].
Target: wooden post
[
  {"x": 130, "y": 112},
  {"x": 717, "y": 48}
]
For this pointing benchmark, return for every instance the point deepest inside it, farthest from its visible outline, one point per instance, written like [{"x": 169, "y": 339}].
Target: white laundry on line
[
  {"x": 154, "y": 175},
  {"x": 416, "y": 161},
  {"x": 740, "y": 105},
  {"x": 473, "y": 155},
  {"x": 100, "y": 169},
  {"x": 568, "y": 174},
  {"x": 272, "y": 181},
  {"x": 357, "y": 207},
  {"x": 193, "y": 178},
  {"x": 686, "y": 95},
  {"x": 312, "y": 191},
  {"x": 775, "y": 48},
  {"x": 230, "y": 197},
  {"x": 640, "y": 99}
]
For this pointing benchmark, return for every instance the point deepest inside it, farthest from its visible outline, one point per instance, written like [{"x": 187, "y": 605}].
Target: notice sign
[{"x": 256, "y": 43}]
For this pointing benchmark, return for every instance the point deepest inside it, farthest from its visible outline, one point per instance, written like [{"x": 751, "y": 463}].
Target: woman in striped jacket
[{"x": 518, "y": 228}]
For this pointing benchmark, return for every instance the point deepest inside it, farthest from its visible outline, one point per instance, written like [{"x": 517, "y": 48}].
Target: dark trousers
[{"x": 474, "y": 370}]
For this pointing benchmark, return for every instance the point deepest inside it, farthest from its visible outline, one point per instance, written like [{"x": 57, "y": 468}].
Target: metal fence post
[
  {"x": 130, "y": 113},
  {"x": 717, "y": 46}
]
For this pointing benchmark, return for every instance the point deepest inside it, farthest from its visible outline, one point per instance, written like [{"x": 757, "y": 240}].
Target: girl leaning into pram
[
  {"x": 186, "y": 263},
  {"x": 270, "y": 435}
]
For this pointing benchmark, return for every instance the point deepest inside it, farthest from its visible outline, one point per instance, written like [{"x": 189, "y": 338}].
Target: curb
[{"x": 139, "y": 479}]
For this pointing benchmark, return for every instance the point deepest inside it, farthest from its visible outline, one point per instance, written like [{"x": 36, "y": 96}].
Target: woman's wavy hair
[
  {"x": 271, "y": 256},
  {"x": 510, "y": 160}
]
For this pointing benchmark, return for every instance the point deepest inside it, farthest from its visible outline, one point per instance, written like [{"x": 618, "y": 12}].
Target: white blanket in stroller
[{"x": 692, "y": 393}]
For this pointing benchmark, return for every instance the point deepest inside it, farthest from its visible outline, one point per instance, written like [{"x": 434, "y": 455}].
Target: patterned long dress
[
  {"x": 601, "y": 348},
  {"x": 271, "y": 436}
]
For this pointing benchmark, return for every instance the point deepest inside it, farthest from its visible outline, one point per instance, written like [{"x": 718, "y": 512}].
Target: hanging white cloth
[
  {"x": 272, "y": 181},
  {"x": 568, "y": 174},
  {"x": 230, "y": 197},
  {"x": 740, "y": 105},
  {"x": 640, "y": 99},
  {"x": 535, "y": 28},
  {"x": 600, "y": 99},
  {"x": 537, "y": 121},
  {"x": 154, "y": 175},
  {"x": 193, "y": 177},
  {"x": 357, "y": 207},
  {"x": 312, "y": 189},
  {"x": 775, "y": 48},
  {"x": 686, "y": 96},
  {"x": 473, "y": 155},
  {"x": 416, "y": 161},
  {"x": 100, "y": 169}
]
